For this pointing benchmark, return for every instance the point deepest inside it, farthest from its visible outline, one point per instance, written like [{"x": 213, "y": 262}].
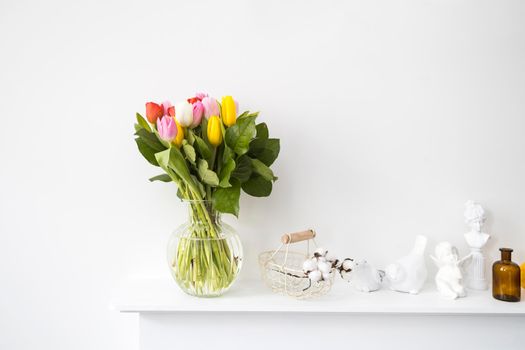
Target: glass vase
[{"x": 204, "y": 254}]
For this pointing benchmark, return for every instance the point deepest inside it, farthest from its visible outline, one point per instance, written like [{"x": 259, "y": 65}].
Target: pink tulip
[
  {"x": 168, "y": 108},
  {"x": 211, "y": 107},
  {"x": 167, "y": 128},
  {"x": 198, "y": 111},
  {"x": 201, "y": 95}
]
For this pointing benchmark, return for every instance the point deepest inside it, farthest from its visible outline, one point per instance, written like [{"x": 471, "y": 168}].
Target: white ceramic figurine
[
  {"x": 409, "y": 273},
  {"x": 476, "y": 240},
  {"x": 449, "y": 276},
  {"x": 361, "y": 276}
]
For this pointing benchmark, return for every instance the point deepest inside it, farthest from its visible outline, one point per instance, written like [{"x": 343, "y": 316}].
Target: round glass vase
[{"x": 204, "y": 254}]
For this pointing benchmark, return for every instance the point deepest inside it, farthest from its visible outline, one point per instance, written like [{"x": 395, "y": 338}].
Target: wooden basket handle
[{"x": 297, "y": 236}]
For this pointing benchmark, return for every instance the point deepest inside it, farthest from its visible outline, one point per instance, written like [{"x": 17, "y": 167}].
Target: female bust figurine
[{"x": 476, "y": 239}]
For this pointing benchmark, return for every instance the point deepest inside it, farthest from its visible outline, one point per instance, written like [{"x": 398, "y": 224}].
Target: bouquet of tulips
[{"x": 211, "y": 152}]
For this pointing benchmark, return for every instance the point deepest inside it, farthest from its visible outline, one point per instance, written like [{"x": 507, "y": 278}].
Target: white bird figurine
[
  {"x": 409, "y": 273},
  {"x": 361, "y": 275}
]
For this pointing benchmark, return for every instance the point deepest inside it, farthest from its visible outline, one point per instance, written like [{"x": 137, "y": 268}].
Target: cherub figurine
[
  {"x": 449, "y": 276},
  {"x": 476, "y": 239}
]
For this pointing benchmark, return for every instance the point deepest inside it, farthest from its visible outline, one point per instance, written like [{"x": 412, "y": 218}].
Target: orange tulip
[{"x": 154, "y": 112}]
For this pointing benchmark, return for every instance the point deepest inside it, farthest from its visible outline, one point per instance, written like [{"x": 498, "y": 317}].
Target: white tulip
[
  {"x": 309, "y": 265},
  {"x": 184, "y": 113},
  {"x": 315, "y": 276}
]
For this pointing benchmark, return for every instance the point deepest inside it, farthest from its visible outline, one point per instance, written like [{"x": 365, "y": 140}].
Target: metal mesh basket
[{"x": 282, "y": 269}]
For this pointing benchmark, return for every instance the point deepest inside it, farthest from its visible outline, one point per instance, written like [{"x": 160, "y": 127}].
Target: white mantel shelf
[{"x": 164, "y": 296}]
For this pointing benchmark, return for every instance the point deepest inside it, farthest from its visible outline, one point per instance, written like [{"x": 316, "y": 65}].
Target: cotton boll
[
  {"x": 324, "y": 267},
  {"x": 327, "y": 276},
  {"x": 315, "y": 276},
  {"x": 309, "y": 265},
  {"x": 347, "y": 265},
  {"x": 320, "y": 252},
  {"x": 331, "y": 258}
]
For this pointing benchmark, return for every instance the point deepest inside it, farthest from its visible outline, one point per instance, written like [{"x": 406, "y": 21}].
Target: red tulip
[
  {"x": 153, "y": 112},
  {"x": 198, "y": 97},
  {"x": 168, "y": 109}
]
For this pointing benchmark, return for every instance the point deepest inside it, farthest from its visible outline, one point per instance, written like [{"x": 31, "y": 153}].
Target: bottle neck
[{"x": 506, "y": 254}]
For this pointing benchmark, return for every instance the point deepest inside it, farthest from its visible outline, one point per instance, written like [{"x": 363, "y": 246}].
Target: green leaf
[
  {"x": 207, "y": 176},
  {"x": 238, "y": 136},
  {"x": 199, "y": 185},
  {"x": 261, "y": 169},
  {"x": 137, "y": 127},
  {"x": 172, "y": 158},
  {"x": 146, "y": 151},
  {"x": 189, "y": 152},
  {"x": 262, "y": 131},
  {"x": 204, "y": 128},
  {"x": 190, "y": 136},
  {"x": 226, "y": 200},
  {"x": 161, "y": 177},
  {"x": 226, "y": 172},
  {"x": 227, "y": 154},
  {"x": 203, "y": 148},
  {"x": 243, "y": 168},
  {"x": 242, "y": 115},
  {"x": 257, "y": 147},
  {"x": 257, "y": 186},
  {"x": 150, "y": 139},
  {"x": 270, "y": 152},
  {"x": 143, "y": 123}
]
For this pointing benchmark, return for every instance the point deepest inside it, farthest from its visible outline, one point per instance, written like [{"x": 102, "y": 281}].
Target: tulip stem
[
  {"x": 213, "y": 156},
  {"x": 203, "y": 262}
]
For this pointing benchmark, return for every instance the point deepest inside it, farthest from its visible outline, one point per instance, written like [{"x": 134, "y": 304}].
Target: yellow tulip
[
  {"x": 214, "y": 130},
  {"x": 228, "y": 111},
  {"x": 180, "y": 135},
  {"x": 523, "y": 275}
]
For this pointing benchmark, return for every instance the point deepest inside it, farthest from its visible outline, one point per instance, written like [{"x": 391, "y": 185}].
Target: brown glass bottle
[{"x": 506, "y": 278}]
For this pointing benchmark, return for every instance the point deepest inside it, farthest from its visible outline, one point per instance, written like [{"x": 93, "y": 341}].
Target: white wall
[{"x": 391, "y": 115}]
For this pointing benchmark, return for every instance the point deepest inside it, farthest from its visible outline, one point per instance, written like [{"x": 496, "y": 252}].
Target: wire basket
[{"x": 282, "y": 269}]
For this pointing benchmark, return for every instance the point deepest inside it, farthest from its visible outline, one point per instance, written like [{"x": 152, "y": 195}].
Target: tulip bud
[
  {"x": 167, "y": 128},
  {"x": 201, "y": 95},
  {"x": 211, "y": 107},
  {"x": 153, "y": 112},
  {"x": 214, "y": 130},
  {"x": 229, "y": 111},
  {"x": 184, "y": 113},
  {"x": 180, "y": 135},
  {"x": 198, "y": 111},
  {"x": 198, "y": 97},
  {"x": 168, "y": 108}
]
